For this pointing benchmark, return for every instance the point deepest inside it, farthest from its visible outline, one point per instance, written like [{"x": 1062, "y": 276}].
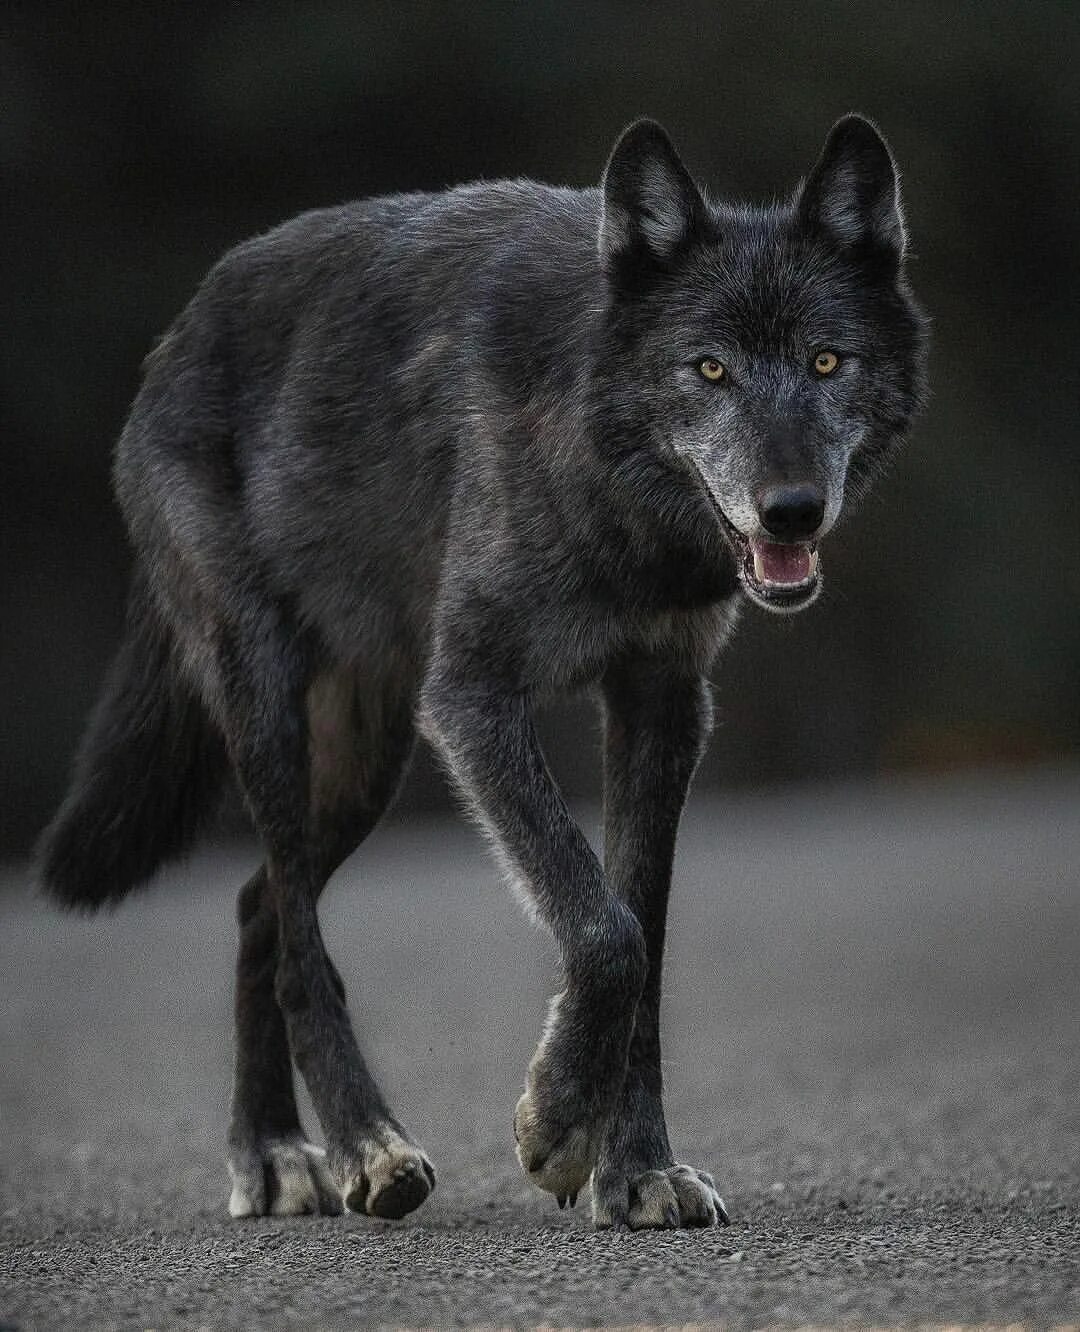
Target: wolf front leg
[
  {"x": 657, "y": 722},
  {"x": 574, "y": 1079}
]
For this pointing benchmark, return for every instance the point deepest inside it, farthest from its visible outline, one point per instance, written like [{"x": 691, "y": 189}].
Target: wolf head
[{"x": 776, "y": 354}]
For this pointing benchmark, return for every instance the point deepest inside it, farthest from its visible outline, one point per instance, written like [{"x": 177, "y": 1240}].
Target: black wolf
[{"x": 404, "y": 465}]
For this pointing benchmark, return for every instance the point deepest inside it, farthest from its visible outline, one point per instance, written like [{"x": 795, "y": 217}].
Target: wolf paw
[
  {"x": 664, "y": 1199},
  {"x": 281, "y": 1176},
  {"x": 557, "y": 1151},
  {"x": 387, "y": 1176}
]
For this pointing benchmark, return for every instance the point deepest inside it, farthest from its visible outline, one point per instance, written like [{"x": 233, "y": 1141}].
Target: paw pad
[{"x": 394, "y": 1178}]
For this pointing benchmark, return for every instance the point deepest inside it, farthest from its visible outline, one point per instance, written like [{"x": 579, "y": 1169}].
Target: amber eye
[
  {"x": 825, "y": 362},
  {"x": 712, "y": 369}
]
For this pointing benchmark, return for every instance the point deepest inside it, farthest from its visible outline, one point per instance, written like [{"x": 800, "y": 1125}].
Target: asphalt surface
[{"x": 872, "y": 1023}]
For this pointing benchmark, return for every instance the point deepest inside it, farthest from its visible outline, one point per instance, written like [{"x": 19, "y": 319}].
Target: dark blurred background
[{"x": 137, "y": 142}]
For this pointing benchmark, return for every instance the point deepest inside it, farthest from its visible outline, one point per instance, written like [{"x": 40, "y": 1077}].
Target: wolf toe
[
  {"x": 556, "y": 1152},
  {"x": 281, "y": 1177},
  {"x": 387, "y": 1176},
  {"x": 668, "y": 1199}
]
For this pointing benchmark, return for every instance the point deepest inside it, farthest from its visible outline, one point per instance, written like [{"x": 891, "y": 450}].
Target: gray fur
[{"x": 411, "y": 463}]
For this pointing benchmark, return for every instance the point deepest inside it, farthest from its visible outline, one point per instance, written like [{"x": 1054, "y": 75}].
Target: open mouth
[{"x": 780, "y": 575}]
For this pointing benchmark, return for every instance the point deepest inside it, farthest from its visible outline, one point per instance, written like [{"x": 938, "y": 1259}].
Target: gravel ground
[{"x": 871, "y": 1041}]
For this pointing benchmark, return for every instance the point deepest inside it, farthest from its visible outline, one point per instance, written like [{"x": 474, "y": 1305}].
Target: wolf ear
[
  {"x": 651, "y": 207},
  {"x": 852, "y": 195}
]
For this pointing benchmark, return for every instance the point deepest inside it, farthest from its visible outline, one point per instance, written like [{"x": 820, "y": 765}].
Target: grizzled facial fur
[{"x": 775, "y": 352}]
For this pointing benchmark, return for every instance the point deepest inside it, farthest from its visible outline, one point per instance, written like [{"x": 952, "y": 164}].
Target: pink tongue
[{"x": 780, "y": 564}]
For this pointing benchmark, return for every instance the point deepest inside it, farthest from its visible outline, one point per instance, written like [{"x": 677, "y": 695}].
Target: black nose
[{"x": 791, "y": 512}]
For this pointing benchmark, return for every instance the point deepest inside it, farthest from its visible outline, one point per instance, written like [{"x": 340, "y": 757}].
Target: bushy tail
[{"x": 148, "y": 771}]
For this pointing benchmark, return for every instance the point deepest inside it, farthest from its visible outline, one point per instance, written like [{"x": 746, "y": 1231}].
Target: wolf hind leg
[
  {"x": 361, "y": 743},
  {"x": 289, "y": 995},
  {"x": 273, "y": 1168}
]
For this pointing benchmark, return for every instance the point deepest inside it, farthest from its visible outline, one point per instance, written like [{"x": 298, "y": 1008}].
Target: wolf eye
[
  {"x": 712, "y": 369},
  {"x": 825, "y": 362}
]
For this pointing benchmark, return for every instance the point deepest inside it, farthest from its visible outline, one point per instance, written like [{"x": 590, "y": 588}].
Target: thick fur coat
[{"x": 404, "y": 465}]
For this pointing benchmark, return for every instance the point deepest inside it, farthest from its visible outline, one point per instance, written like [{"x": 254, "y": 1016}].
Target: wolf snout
[{"x": 791, "y": 512}]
